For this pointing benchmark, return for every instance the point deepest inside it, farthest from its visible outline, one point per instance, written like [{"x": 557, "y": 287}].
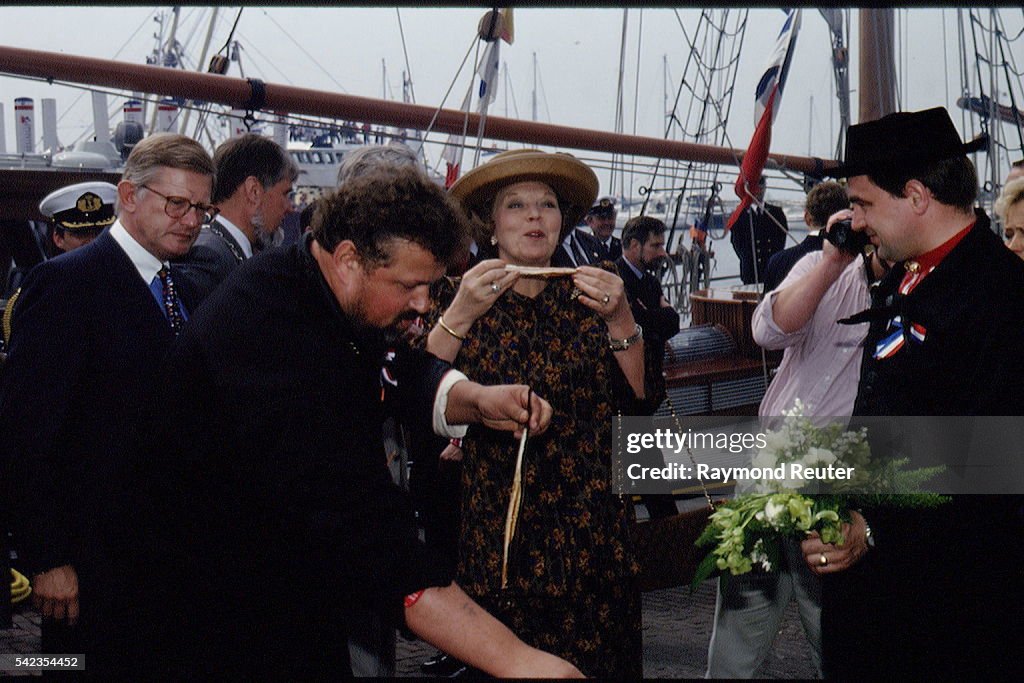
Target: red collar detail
[{"x": 930, "y": 259}]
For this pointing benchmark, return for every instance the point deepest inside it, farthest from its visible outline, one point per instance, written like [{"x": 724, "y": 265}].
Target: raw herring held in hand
[{"x": 538, "y": 271}]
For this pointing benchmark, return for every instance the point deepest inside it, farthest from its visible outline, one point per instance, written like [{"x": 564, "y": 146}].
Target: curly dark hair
[
  {"x": 825, "y": 199},
  {"x": 387, "y": 203}
]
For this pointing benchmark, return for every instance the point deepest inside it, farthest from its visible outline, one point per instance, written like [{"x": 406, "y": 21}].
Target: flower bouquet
[{"x": 747, "y": 531}]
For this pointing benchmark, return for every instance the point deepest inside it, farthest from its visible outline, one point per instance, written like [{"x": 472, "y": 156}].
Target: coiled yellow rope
[{"x": 20, "y": 587}]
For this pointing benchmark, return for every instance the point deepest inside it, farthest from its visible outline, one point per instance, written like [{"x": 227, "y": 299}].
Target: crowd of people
[{"x": 193, "y": 416}]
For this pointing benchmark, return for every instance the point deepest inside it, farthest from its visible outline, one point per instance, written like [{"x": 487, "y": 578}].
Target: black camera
[{"x": 846, "y": 239}]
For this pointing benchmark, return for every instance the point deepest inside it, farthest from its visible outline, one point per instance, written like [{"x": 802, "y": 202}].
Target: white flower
[
  {"x": 776, "y": 441},
  {"x": 797, "y": 409},
  {"x": 764, "y": 458},
  {"x": 758, "y": 554},
  {"x": 817, "y": 455},
  {"x": 773, "y": 512}
]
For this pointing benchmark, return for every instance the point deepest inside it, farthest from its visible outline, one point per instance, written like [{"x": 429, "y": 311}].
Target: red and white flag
[
  {"x": 453, "y": 148},
  {"x": 768, "y": 97}
]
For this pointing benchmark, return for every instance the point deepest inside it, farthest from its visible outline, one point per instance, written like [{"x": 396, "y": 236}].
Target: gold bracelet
[{"x": 440, "y": 321}]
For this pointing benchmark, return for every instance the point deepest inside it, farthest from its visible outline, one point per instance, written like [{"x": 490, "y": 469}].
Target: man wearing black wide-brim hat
[{"x": 928, "y": 593}]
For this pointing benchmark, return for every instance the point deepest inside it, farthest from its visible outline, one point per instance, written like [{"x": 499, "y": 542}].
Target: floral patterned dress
[{"x": 571, "y": 588}]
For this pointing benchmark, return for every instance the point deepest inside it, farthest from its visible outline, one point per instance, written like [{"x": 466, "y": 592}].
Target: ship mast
[{"x": 877, "y": 90}]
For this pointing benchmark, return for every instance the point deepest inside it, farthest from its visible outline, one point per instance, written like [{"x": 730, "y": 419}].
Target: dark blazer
[
  {"x": 213, "y": 256},
  {"x": 644, "y": 294},
  {"x": 758, "y": 227},
  {"x": 614, "y": 249},
  {"x": 782, "y": 262},
  {"x": 88, "y": 337},
  {"x": 586, "y": 250},
  {"x": 271, "y": 521}
]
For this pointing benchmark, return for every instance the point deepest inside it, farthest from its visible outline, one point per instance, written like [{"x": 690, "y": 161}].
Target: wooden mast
[
  {"x": 239, "y": 93},
  {"x": 877, "y": 89}
]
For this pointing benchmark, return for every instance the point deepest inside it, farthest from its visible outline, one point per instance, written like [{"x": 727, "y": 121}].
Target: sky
[{"x": 349, "y": 49}]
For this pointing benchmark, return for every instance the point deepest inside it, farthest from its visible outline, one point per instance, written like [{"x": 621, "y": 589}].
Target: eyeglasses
[{"x": 179, "y": 207}]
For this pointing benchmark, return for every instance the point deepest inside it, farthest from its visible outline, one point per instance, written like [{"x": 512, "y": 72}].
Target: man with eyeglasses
[
  {"x": 253, "y": 194},
  {"x": 88, "y": 334}
]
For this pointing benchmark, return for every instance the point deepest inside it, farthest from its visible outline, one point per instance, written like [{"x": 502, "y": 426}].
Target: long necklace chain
[
  {"x": 221, "y": 233},
  {"x": 679, "y": 429}
]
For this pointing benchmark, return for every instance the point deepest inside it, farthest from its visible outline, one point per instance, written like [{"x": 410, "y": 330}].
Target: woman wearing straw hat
[{"x": 544, "y": 542}]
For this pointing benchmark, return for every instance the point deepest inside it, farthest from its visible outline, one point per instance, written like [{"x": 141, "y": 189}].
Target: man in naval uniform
[
  {"x": 928, "y": 593},
  {"x": 88, "y": 333},
  {"x": 79, "y": 213},
  {"x": 583, "y": 248},
  {"x": 759, "y": 232},
  {"x": 601, "y": 221},
  {"x": 253, "y": 194}
]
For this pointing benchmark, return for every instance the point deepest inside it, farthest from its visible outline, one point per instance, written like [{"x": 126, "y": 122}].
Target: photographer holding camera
[
  {"x": 821, "y": 363},
  {"x": 820, "y": 366}
]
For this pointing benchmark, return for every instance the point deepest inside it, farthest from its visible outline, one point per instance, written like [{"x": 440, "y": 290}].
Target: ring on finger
[
  {"x": 606, "y": 299},
  {"x": 823, "y": 561},
  {"x": 494, "y": 287}
]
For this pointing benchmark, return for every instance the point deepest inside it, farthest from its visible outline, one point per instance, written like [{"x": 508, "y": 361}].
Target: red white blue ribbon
[{"x": 897, "y": 338}]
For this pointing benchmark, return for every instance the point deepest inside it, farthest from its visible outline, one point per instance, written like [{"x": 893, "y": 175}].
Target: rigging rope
[
  {"x": 405, "y": 51},
  {"x": 231, "y": 33},
  {"x": 712, "y": 76},
  {"x": 60, "y": 118},
  {"x": 430, "y": 127},
  {"x": 306, "y": 52},
  {"x": 636, "y": 86}
]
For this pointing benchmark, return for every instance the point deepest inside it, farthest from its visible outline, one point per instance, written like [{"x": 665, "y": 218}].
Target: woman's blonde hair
[{"x": 1012, "y": 193}]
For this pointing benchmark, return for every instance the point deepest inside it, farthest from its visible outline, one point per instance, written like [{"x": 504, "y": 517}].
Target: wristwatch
[{"x": 623, "y": 344}]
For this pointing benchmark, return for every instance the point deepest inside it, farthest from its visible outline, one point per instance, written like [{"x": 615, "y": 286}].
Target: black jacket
[
  {"x": 210, "y": 260},
  {"x": 586, "y": 250},
  {"x": 760, "y": 228},
  {"x": 782, "y": 262},
  {"x": 644, "y": 294},
  {"x": 273, "y": 520},
  {"x": 932, "y": 600},
  {"x": 88, "y": 338}
]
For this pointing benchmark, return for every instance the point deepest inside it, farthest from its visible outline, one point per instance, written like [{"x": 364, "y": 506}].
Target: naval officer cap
[
  {"x": 83, "y": 206},
  {"x": 603, "y": 207}
]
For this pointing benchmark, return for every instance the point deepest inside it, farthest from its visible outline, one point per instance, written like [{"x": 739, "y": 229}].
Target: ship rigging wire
[
  {"x": 405, "y": 51},
  {"x": 305, "y": 52}
]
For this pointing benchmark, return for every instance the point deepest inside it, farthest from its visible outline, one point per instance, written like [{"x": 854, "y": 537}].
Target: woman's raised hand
[
  {"x": 480, "y": 288},
  {"x": 603, "y": 292}
]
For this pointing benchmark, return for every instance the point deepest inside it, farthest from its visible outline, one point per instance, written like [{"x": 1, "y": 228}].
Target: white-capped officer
[{"x": 79, "y": 213}]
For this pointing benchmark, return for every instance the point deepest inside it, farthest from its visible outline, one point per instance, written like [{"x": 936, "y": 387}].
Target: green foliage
[{"x": 748, "y": 531}]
